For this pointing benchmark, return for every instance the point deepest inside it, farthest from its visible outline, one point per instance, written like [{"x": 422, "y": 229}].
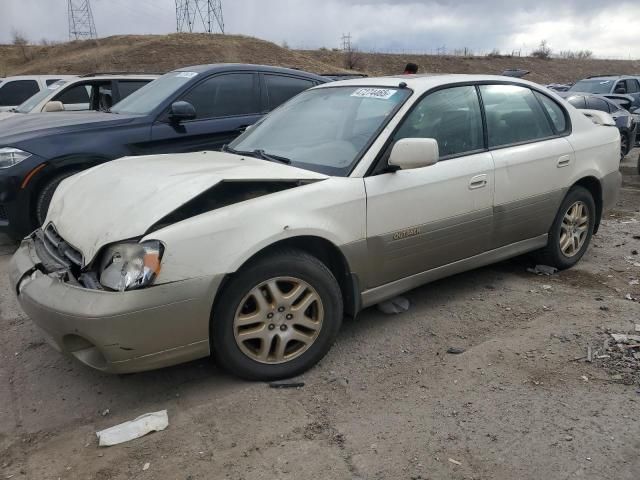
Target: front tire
[
  {"x": 277, "y": 317},
  {"x": 571, "y": 231},
  {"x": 46, "y": 194}
]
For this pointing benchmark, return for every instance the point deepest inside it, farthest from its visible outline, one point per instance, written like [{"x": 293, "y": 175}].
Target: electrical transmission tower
[
  {"x": 81, "y": 26},
  {"x": 190, "y": 14}
]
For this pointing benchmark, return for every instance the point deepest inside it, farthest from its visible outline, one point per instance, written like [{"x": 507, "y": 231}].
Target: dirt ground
[{"x": 388, "y": 402}]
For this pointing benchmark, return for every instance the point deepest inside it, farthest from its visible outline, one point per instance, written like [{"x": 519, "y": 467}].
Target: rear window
[
  {"x": 281, "y": 89},
  {"x": 597, "y": 104},
  {"x": 593, "y": 86},
  {"x": 17, "y": 91}
]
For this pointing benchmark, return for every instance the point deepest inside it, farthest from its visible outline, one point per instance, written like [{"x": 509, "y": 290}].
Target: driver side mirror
[
  {"x": 54, "y": 106},
  {"x": 181, "y": 111},
  {"x": 409, "y": 153}
]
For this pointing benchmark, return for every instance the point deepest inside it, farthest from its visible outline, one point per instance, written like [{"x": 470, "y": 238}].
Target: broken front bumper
[{"x": 118, "y": 332}]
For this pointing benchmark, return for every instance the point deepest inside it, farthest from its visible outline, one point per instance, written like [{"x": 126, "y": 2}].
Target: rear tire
[
  {"x": 277, "y": 317},
  {"x": 46, "y": 194},
  {"x": 571, "y": 231}
]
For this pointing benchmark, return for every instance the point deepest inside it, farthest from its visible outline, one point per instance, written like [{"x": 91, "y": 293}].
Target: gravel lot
[{"x": 388, "y": 402}]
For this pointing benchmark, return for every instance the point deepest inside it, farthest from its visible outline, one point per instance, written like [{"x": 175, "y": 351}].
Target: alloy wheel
[
  {"x": 278, "y": 320},
  {"x": 574, "y": 229}
]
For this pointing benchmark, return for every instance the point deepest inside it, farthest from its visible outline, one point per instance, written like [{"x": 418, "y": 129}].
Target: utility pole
[
  {"x": 346, "y": 42},
  {"x": 81, "y": 25},
  {"x": 191, "y": 15}
]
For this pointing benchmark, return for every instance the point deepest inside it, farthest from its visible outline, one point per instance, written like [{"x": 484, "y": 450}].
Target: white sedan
[{"x": 349, "y": 194}]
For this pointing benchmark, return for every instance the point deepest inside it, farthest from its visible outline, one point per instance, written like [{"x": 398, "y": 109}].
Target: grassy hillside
[
  {"x": 151, "y": 53},
  {"x": 160, "y": 53}
]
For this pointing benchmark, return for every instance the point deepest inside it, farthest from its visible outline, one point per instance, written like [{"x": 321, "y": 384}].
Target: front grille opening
[{"x": 59, "y": 249}]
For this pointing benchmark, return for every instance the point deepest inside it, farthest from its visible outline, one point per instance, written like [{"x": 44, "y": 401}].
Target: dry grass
[{"x": 160, "y": 53}]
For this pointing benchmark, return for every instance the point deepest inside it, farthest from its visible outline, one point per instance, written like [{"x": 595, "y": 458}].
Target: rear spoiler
[{"x": 599, "y": 118}]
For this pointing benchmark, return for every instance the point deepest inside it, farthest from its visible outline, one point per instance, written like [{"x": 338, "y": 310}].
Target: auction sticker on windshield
[
  {"x": 381, "y": 93},
  {"x": 187, "y": 74}
]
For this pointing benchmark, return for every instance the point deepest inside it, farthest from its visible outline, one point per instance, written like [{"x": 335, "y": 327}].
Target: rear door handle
[
  {"x": 478, "y": 181},
  {"x": 564, "y": 161}
]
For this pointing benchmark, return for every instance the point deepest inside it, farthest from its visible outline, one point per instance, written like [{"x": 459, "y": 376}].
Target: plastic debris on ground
[
  {"x": 619, "y": 355},
  {"x": 455, "y": 350},
  {"x": 395, "y": 305},
  {"x": 144, "y": 424},
  {"x": 543, "y": 270}
]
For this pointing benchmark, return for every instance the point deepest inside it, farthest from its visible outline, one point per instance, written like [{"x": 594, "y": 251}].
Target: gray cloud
[{"x": 400, "y": 25}]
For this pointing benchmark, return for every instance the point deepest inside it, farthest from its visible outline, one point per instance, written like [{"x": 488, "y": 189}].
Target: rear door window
[
  {"x": 225, "y": 95},
  {"x": 632, "y": 85},
  {"x": 51, "y": 81},
  {"x": 514, "y": 115},
  {"x": 451, "y": 116},
  {"x": 281, "y": 88},
  {"x": 17, "y": 91}
]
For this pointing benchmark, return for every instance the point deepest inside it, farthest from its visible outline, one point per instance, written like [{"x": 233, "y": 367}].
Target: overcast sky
[{"x": 604, "y": 26}]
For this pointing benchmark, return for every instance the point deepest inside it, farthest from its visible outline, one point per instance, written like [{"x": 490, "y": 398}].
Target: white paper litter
[
  {"x": 147, "y": 423},
  {"x": 393, "y": 306}
]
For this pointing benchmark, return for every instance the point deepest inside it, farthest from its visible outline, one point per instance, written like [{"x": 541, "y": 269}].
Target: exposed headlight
[
  {"x": 12, "y": 156},
  {"x": 127, "y": 266}
]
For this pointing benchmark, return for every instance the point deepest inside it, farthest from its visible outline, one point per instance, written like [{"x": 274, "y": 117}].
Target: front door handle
[
  {"x": 478, "y": 181},
  {"x": 564, "y": 161}
]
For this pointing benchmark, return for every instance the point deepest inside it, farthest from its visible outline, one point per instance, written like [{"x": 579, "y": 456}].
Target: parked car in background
[
  {"x": 15, "y": 90},
  {"x": 559, "y": 87},
  {"x": 515, "y": 72},
  {"x": 187, "y": 110},
  {"x": 349, "y": 194},
  {"x": 610, "y": 84},
  {"x": 97, "y": 92},
  {"x": 625, "y": 121},
  {"x": 343, "y": 76}
]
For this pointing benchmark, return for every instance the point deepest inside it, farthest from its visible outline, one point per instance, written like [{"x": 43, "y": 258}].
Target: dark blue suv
[{"x": 190, "y": 109}]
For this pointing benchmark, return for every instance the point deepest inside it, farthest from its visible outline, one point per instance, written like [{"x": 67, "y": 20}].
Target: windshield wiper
[{"x": 257, "y": 153}]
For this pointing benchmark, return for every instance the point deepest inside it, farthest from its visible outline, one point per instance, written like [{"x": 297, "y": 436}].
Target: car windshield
[
  {"x": 33, "y": 101},
  {"x": 592, "y": 86},
  {"x": 147, "y": 99},
  {"x": 324, "y": 129}
]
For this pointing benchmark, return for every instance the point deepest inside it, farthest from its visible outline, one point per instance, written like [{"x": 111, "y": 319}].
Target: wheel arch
[
  {"x": 593, "y": 185},
  {"x": 57, "y": 166},
  {"x": 325, "y": 251}
]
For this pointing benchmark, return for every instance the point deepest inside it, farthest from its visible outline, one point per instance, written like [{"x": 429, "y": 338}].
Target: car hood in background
[
  {"x": 122, "y": 199},
  {"x": 4, "y": 115},
  {"x": 22, "y": 127}
]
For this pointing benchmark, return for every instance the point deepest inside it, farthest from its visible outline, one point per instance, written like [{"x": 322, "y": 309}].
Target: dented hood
[{"x": 122, "y": 199}]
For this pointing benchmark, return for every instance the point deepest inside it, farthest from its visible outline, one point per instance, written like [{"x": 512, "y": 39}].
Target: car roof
[
  {"x": 226, "y": 67},
  {"x": 607, "y": 77},
  {"x": 111, "y": 76},
  {"x": 37, "y": 77},
  {"x": 422, "y": 82}
]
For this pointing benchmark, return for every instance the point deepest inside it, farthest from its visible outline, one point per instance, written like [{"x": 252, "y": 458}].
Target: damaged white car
[{"x": 347, "y": 195}]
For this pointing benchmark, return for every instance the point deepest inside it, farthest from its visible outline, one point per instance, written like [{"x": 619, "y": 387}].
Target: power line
[
  {"x": 191, "y": 15},
  {"x": 81, "y": 25}
]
